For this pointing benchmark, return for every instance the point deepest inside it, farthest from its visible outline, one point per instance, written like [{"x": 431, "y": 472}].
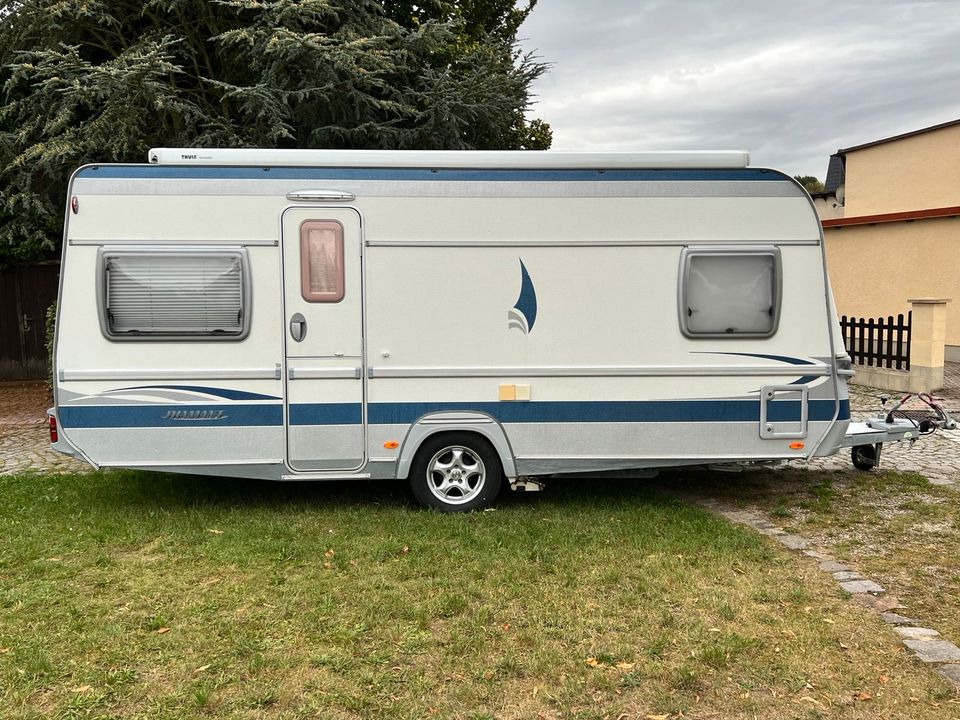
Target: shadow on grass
[
  {"x": 777, "y": 490},
  {"x": 154, "y": 490},
  {"x": 146, "y": 491},
  {"x": 173, "y": 491},
  {"x": 749, "y": 484},
  {"x": 265, "y": 519}
]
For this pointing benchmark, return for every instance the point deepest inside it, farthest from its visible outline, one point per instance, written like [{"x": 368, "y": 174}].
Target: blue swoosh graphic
[{"x": 527, "y": 302}]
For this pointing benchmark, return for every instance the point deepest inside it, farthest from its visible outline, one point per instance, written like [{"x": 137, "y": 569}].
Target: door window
[{"x": 321, "y": 261}]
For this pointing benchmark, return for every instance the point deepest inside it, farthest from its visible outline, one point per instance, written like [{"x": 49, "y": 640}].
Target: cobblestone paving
[
  {"x": 24, "y": 434},
  {"x": 937, "y": 456},
  {"x": 951, "y": 378}
]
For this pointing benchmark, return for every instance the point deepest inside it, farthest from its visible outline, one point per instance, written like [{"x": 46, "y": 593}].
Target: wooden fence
[
  {"x": 878, "y": 342},
  {"x": 25, "y": 294}
]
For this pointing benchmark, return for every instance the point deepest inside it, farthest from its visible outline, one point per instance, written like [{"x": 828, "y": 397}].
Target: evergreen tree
[
  {"x": 810, "y": 183},
  {"x": 104, "y": 80}
]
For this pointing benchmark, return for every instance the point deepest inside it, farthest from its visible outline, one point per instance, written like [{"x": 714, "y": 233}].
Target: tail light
[{"x": 53, "y": 429}]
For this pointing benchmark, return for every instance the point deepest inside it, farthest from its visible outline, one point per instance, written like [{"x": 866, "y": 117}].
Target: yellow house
[{"x": 891, "y": 218}]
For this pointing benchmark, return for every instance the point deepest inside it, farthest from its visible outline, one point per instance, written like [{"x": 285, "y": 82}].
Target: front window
[{"x": 730, "y": 292}]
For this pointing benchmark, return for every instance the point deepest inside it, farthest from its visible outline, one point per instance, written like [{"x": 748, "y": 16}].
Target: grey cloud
[{"x": 791, "y": 82}]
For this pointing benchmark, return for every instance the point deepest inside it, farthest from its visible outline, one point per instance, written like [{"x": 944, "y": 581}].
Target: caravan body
[{"x": 337, "y": 314}]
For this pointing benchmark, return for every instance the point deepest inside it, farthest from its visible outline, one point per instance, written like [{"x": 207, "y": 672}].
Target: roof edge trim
[
  {"x": 953, "y": 211},
  {"x": 902, "y": 136}
]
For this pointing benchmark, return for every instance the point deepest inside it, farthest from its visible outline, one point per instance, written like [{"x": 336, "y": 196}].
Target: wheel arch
[{"x": 432, "y": 424}]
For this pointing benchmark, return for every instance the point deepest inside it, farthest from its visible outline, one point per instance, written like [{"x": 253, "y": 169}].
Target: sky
[{"x": 789, "y": 81}]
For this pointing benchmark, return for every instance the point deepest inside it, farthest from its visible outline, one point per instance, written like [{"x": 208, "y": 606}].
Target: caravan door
[{"x": 323, "y": 338}]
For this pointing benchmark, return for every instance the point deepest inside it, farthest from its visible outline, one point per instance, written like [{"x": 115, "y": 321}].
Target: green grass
[
  {"x": 139, "y": 595},
  {"x": 894, "y": 527}
]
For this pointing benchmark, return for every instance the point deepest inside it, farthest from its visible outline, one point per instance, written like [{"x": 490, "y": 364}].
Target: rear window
[{"x": 174, "y": 293}]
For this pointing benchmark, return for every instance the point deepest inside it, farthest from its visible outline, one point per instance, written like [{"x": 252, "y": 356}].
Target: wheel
[
  {"x": 456, "y": 472},
  {"x": 865, "y": 457}
]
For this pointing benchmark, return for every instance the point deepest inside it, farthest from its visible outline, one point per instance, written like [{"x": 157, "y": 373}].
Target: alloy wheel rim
[{"x": 456, "y": 475}]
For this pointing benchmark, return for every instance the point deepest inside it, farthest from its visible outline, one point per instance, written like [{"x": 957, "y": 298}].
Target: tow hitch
[{"x": 866, "y": 439}]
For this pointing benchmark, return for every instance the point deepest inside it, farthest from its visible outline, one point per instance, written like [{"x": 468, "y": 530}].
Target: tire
[
  {"x": 865, "y": 457},
  {"x": 456, "y": 472}
]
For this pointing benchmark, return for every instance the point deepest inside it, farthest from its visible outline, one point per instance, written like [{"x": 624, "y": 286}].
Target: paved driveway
[
  {"x": 24, "y": 435},
  {"x": 25, "y": 439}
]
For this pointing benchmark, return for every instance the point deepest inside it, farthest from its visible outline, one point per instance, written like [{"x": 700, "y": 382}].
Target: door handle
[{"x": 298, "y": 327}]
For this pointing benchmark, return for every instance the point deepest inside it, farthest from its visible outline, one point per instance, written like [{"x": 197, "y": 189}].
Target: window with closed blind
[{"x": 174, "y": 293}]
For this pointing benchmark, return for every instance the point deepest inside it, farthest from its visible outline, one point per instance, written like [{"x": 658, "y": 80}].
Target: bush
[{"x": 49, "y": 329}]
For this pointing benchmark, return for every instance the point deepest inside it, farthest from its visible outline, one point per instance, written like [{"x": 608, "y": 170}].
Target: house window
[
  {"x": 174, "y": 293},
  {"x": 729, "y": 292},
  {"x": 321, "y": 261}
]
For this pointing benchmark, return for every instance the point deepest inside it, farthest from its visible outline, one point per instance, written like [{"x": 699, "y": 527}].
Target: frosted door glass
[
  {"x": 321, "y": 261},
  {"x": 730, "y": 294}
]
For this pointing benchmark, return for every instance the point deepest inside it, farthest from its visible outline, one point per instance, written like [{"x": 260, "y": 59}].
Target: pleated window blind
[{"x": 188, "y": 294}]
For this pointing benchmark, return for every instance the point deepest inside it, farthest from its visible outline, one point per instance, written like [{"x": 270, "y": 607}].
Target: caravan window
[
  {"x": 730, "y": 292},
  {"x": 321, "y": 261},
  {"x": 182, "y": 293}
]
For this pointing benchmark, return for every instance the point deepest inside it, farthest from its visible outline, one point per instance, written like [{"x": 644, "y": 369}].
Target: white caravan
[{"x": 452, "y": 318}]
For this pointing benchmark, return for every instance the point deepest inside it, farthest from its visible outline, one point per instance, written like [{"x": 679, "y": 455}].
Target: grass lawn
[
  {"x": 897, "y": 528},
  {"x": 139, "y": 595}
]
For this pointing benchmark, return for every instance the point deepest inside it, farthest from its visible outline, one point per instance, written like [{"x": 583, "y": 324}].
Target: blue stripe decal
[
  {"x": 233, "y": 415},
  {"x": 615, "y": 411},
  {"x": 326, "y": 414},
  {"x": 170, "y": 416},
  {"x": 210, "y": 172}
]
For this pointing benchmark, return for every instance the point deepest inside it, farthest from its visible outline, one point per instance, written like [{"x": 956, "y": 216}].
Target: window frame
[
  {"x": 106, "y": 253},
  {"x": 683, "y": 284}
]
